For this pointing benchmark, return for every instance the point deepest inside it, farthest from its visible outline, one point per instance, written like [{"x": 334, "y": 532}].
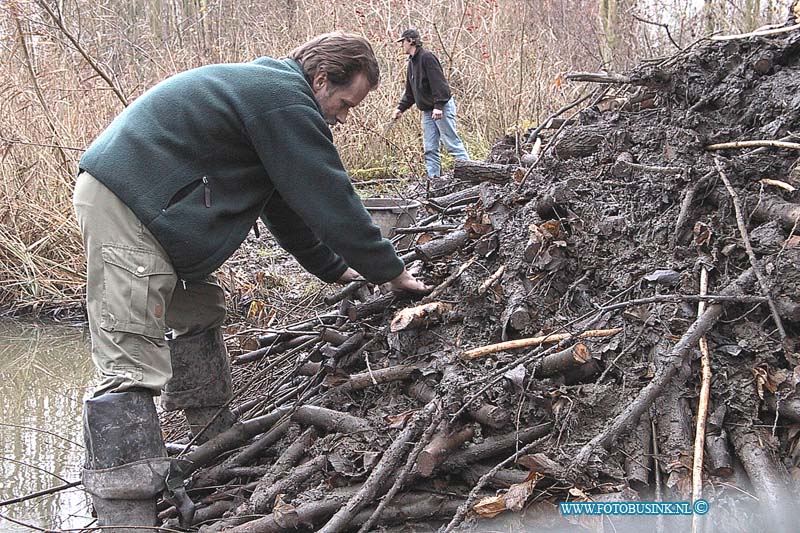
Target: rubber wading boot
[
  {"x": 201, "y": 383},
  {"x": 126, "y": 462}
]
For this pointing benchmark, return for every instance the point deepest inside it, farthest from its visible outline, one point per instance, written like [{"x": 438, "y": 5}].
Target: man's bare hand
[
  {"x": 405, "y": 282},
  {"x": 348, "y": 276},
  {"x": 396, "y": 114},
  {"x": 436, "y": 114}
]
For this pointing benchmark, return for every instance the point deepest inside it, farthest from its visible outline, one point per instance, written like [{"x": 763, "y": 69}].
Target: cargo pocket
[{"x": 137, "y": 285}]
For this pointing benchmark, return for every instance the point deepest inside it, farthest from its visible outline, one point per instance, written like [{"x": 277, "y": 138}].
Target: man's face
[
  {"x": 408, "y": 45},
  {"x": 336, "y": 101}
]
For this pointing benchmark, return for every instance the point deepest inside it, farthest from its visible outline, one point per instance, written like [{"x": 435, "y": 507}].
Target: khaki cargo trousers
[{"x": 133, "y": 294}]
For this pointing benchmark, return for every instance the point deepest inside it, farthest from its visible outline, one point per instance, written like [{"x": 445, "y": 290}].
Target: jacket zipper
[{"x": 206, "y": 192}]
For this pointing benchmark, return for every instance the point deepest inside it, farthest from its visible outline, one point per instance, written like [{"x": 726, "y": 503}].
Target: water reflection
[{"x": 44, "y": 374}]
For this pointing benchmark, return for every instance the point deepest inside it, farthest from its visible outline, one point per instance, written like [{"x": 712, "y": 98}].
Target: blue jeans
[{"x": 443, "y": 129}]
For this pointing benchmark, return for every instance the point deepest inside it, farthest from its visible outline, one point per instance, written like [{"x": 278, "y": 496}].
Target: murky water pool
[{"x": 45, "y": 372}]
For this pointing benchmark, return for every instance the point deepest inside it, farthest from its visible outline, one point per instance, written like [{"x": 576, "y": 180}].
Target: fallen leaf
[
  {"x": 490, "y": 506},
  {"x": 518, "y": 494},
  {"x": 399, "y": 421}
]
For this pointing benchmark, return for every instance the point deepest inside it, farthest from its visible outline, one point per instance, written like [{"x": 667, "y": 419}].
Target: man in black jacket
[{"x": 427, "y": 87}]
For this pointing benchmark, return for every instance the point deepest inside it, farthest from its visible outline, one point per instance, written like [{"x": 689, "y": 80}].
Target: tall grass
[{"x": 68, "y": 67}]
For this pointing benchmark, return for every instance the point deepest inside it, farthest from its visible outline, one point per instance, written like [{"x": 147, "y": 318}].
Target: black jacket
[{"x": 426, "y": 85}]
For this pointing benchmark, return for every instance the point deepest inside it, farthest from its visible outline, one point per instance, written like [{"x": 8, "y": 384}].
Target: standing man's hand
[
  {"x": 405, "y": 282},
  {"x": 436, "y": 114},
  {"x": 397, "y": 114},
  {"x": 348, "y": 276}
]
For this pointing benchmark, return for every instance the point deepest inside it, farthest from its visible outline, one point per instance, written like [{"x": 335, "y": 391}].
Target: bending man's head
[{"x": 341, "y": 69}]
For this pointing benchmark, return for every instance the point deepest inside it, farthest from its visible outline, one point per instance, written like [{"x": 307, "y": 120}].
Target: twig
[
  {"x": 37, "y": 494},
  {"x": 660, "y": 24},
  {"x": 381, "y": 472},
  {"x": 713, "y": 298},
  {"x": 755, "y": 33},
  {"x": 597, "y": 77},
  {"x": 491, "y": 280},
  {"x": 750, "y": 144},
  {"x": 403, "y": 475},
  {"x": 435, "y": 293},
  {"x": 464, "y": 508},
  {"x": 663, "y": 376},
  {"x": 92, "y": 63},
  {"x": 749, "y": 247},
  {"x": 702, "y": 407},
  {"x": 535, "y": 341}
]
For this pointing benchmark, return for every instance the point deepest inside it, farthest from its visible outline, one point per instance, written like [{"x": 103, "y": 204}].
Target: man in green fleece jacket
[{"x": 164, "y": 196}]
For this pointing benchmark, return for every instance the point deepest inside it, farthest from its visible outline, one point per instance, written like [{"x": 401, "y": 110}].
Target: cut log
[
  {"x": 767, "y": 476},
  {"x": 231, "y": 439},
  {"x": 516, "y": 316},
  {"x": 438, "y": 247},
  {"x": 773, "y": 208},
  {"x": 501, "y": 480},
  {"x": 675, "y": 437},
  {"x": 351, "y": 344},
  {"x": 554, "y": 204},
  {"x": 419, "y": 316},
  {"x": 221, "y": 472},
  {"x": 563, "y": 361},
  {"x": 487, "y": 414},
  {"x": 718, "y": 458},
  {"x": 442, "y": 445},
  {"x": 376, "y": 377},
  {"x": 330, "y": 420},
  {"x": 637, "y": 446},
  {"x": 373, "y": 307},
  {"x": 478, "y": 171},
  {"x": 255, "y": 355},
  {"x": 493, "y": 446},
  {"x": 580, "y": 141},
  {"x": 457, "y": 198}
]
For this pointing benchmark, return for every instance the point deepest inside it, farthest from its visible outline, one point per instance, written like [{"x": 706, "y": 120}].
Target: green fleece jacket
[{"x": 201, "y": 155}]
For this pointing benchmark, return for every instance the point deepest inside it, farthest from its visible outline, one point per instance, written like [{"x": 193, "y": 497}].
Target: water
[{"x": 45, "y": 372}]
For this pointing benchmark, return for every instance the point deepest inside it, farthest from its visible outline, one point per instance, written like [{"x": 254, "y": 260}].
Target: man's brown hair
[{"x": 340, "y": 55}]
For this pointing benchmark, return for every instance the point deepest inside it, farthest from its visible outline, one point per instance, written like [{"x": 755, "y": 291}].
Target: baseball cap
[{"x": 410, "y": 33}]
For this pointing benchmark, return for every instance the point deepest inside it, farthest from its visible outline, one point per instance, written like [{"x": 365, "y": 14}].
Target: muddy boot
[
  {"x": 126, "y": 463},
  {"x": 201, "y": 383}
]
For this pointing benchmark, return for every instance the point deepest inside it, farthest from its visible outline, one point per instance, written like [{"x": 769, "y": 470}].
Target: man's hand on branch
[
  {"x": 348, "y": 276},
  {"x": 405, "y": 282}
]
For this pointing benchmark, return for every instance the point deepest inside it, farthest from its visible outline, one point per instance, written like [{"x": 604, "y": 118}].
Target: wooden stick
[
  {"x": 384, "y": 375},
  {"x": 535, "y": 341},
  {"x": 750, "y": 144},
  {"x": 597, "y": 77},
  {"x": 749, "y": 247},
  {"x": 435, "y": 293},
  {"x": 491, "y": 280},
  {"x": 384, "y": 469},
  {"x": 702, "y": 407},
  {"x": 563, "y": 361},
  {"x": 663, "y": 376},
  {"x": 756, "y": 33},
  {"x": 440, "y": 449},
  {"x": 401, "y": 478}
]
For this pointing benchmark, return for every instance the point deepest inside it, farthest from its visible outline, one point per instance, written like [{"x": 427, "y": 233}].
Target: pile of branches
[{"x": 615, "y": 318}]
